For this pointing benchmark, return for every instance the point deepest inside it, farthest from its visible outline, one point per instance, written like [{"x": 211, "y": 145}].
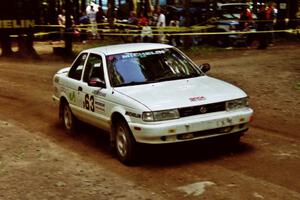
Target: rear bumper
[{"x": 193, "y": 128}]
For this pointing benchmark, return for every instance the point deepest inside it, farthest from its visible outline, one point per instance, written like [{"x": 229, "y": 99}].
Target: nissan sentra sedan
[{"x": 148, "y": 93}]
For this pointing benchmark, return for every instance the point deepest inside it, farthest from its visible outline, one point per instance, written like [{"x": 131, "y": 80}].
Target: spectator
[
  {"x": 133, "y": 20},
  {"x": 83, "y": 21},
  {"x": 245, "y": 19},
  {"x": 174, "y": 40},
  {"x": 61, "y": 20},
  {"x": 143, "y": 20},
  {"x": 270, "y": 16},
  {"x": 146, "y": 35},
  {"x": 91, "y": 13},
  {"x": 161, "y": 23},
  {"x": 261, "y": 26},
  {"x": 100, "y": 18}
]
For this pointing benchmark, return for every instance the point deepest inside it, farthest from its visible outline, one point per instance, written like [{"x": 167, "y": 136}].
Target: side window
[
  {"x": 94, "y": 68},
  {"x": 76, "y": 69}
]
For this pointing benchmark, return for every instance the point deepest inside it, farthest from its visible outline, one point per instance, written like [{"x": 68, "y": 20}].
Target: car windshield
[
  {"x": 144, "y": 67},
  {"x": 235, "y": 8}
]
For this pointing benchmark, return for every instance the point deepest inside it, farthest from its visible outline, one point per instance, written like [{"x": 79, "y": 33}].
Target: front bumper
[{"x": 193, "y": 127}]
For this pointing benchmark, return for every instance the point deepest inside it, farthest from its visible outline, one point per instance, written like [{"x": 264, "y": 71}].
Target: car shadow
[
  {"x": 154, "y": 155},
  {"x": 85, "y": 134},
  {"x": 192, "y": 151}
]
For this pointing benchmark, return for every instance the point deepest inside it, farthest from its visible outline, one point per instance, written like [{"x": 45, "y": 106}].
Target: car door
[
  {"x": 74, "y": 83},
  {"x": 95, "y": 96}
]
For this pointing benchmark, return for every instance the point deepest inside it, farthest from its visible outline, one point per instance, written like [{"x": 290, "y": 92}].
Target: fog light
[
  {"x": 242, "y": 126},
  {"x": 163, "y": 138},
  {"x": 226, "y": 129}
]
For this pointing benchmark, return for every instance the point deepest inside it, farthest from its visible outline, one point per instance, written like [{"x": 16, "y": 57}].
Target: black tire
[
  {"x": 125, "y": 144},
  {"x": 234, "y": 140},
  {"x": 68, "y": 119}
]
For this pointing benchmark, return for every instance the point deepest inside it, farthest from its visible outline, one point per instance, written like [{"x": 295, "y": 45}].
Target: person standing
[
  {"x": 91, "y": 13},
  {"x": 161, "y": 24},
  {"x": 146, "y": 33},
  {"x": 100, "y": 18},
  {"x": 261, "y": 26},
  {"x": 270, "y": 16},
  {"x": 83, "y": 21},
  {"x": 143, "y": 20},
  {"x": 246, "y": 19},
  {"x": 61, "y": 20},
  {"x": 174, "y": 40},
  {"x": 133, "y": 20}
]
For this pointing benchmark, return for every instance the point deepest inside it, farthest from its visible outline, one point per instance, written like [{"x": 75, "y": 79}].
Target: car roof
[
  {"x": 124, "y": 48},
  {"x": 232, "y": 4}
]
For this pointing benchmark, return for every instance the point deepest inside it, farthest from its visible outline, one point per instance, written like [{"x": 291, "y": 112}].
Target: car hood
[
  {"x": 182, "y": 93},
  {"x": 63, "y": 70}
]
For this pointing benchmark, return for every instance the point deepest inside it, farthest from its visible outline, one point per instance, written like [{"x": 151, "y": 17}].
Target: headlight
[
  {"x": 237, "y": 104},
  {"x": 160, "y": 115}
]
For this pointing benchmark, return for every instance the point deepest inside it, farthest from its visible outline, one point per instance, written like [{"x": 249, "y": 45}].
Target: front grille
[
  {"x": 198, "y": 110},
  {"x": 199, "y": 134}
]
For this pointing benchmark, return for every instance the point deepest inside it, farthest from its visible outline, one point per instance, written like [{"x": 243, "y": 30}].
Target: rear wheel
[{"x": 125, "y": 144}]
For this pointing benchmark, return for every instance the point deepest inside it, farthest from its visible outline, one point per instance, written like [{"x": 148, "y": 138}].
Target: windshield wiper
[
  {"x": 176, "y": 77},
  {"x": 134, "y": 83}
]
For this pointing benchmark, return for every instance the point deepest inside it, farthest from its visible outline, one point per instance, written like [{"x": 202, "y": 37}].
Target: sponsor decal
[
  {"x": 72, "y": 96},
  {"x": 200, "y": 98},
  {"x": 89, "y": 102},
  {"x": 15, "y": 24},
  {"x": 99, "y": 93},
  {"x": 142, "y": 54},
  {"x": 100, "y": 106},
  {"x": 132, "y": 114}
]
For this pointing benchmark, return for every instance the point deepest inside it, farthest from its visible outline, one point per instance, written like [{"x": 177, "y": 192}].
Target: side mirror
[
  {"x": 205, "y": 67},
  {"x": 96, "y": 82}
]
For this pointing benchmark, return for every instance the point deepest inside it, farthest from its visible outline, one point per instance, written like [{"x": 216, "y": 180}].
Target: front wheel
[
  {"x": 125, "y": 144},
  {"x": 68, "y": 118}
]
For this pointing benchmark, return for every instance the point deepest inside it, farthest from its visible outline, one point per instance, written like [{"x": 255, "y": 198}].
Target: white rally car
[{"x": 148, "y": 93}]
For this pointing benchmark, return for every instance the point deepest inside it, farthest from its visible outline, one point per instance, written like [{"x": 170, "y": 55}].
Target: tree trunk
[
  {"x": 293, "y": 9},
  {"x": 130, "y": 4},
  {"x": 83, "y": 5},
  {"x": 147, "y": 8},
  {"x": 5, "y": 44},
  {"x": 76, "y": 11},
  {"x": 156, "y": 3},
  {"x": 187, "y": 39},
  {"x": 25, "y": 44},
  {"x": 52, "y": 14},
  {"x": 68, "y": 29},
  {"x": 111, "y": 12}
]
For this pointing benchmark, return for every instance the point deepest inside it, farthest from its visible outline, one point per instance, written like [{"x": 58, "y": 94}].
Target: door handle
[{"x": 80, "y": 89}]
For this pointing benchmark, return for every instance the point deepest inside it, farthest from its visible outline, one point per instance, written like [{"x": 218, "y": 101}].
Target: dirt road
[{"x": 38, "y": 160}]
